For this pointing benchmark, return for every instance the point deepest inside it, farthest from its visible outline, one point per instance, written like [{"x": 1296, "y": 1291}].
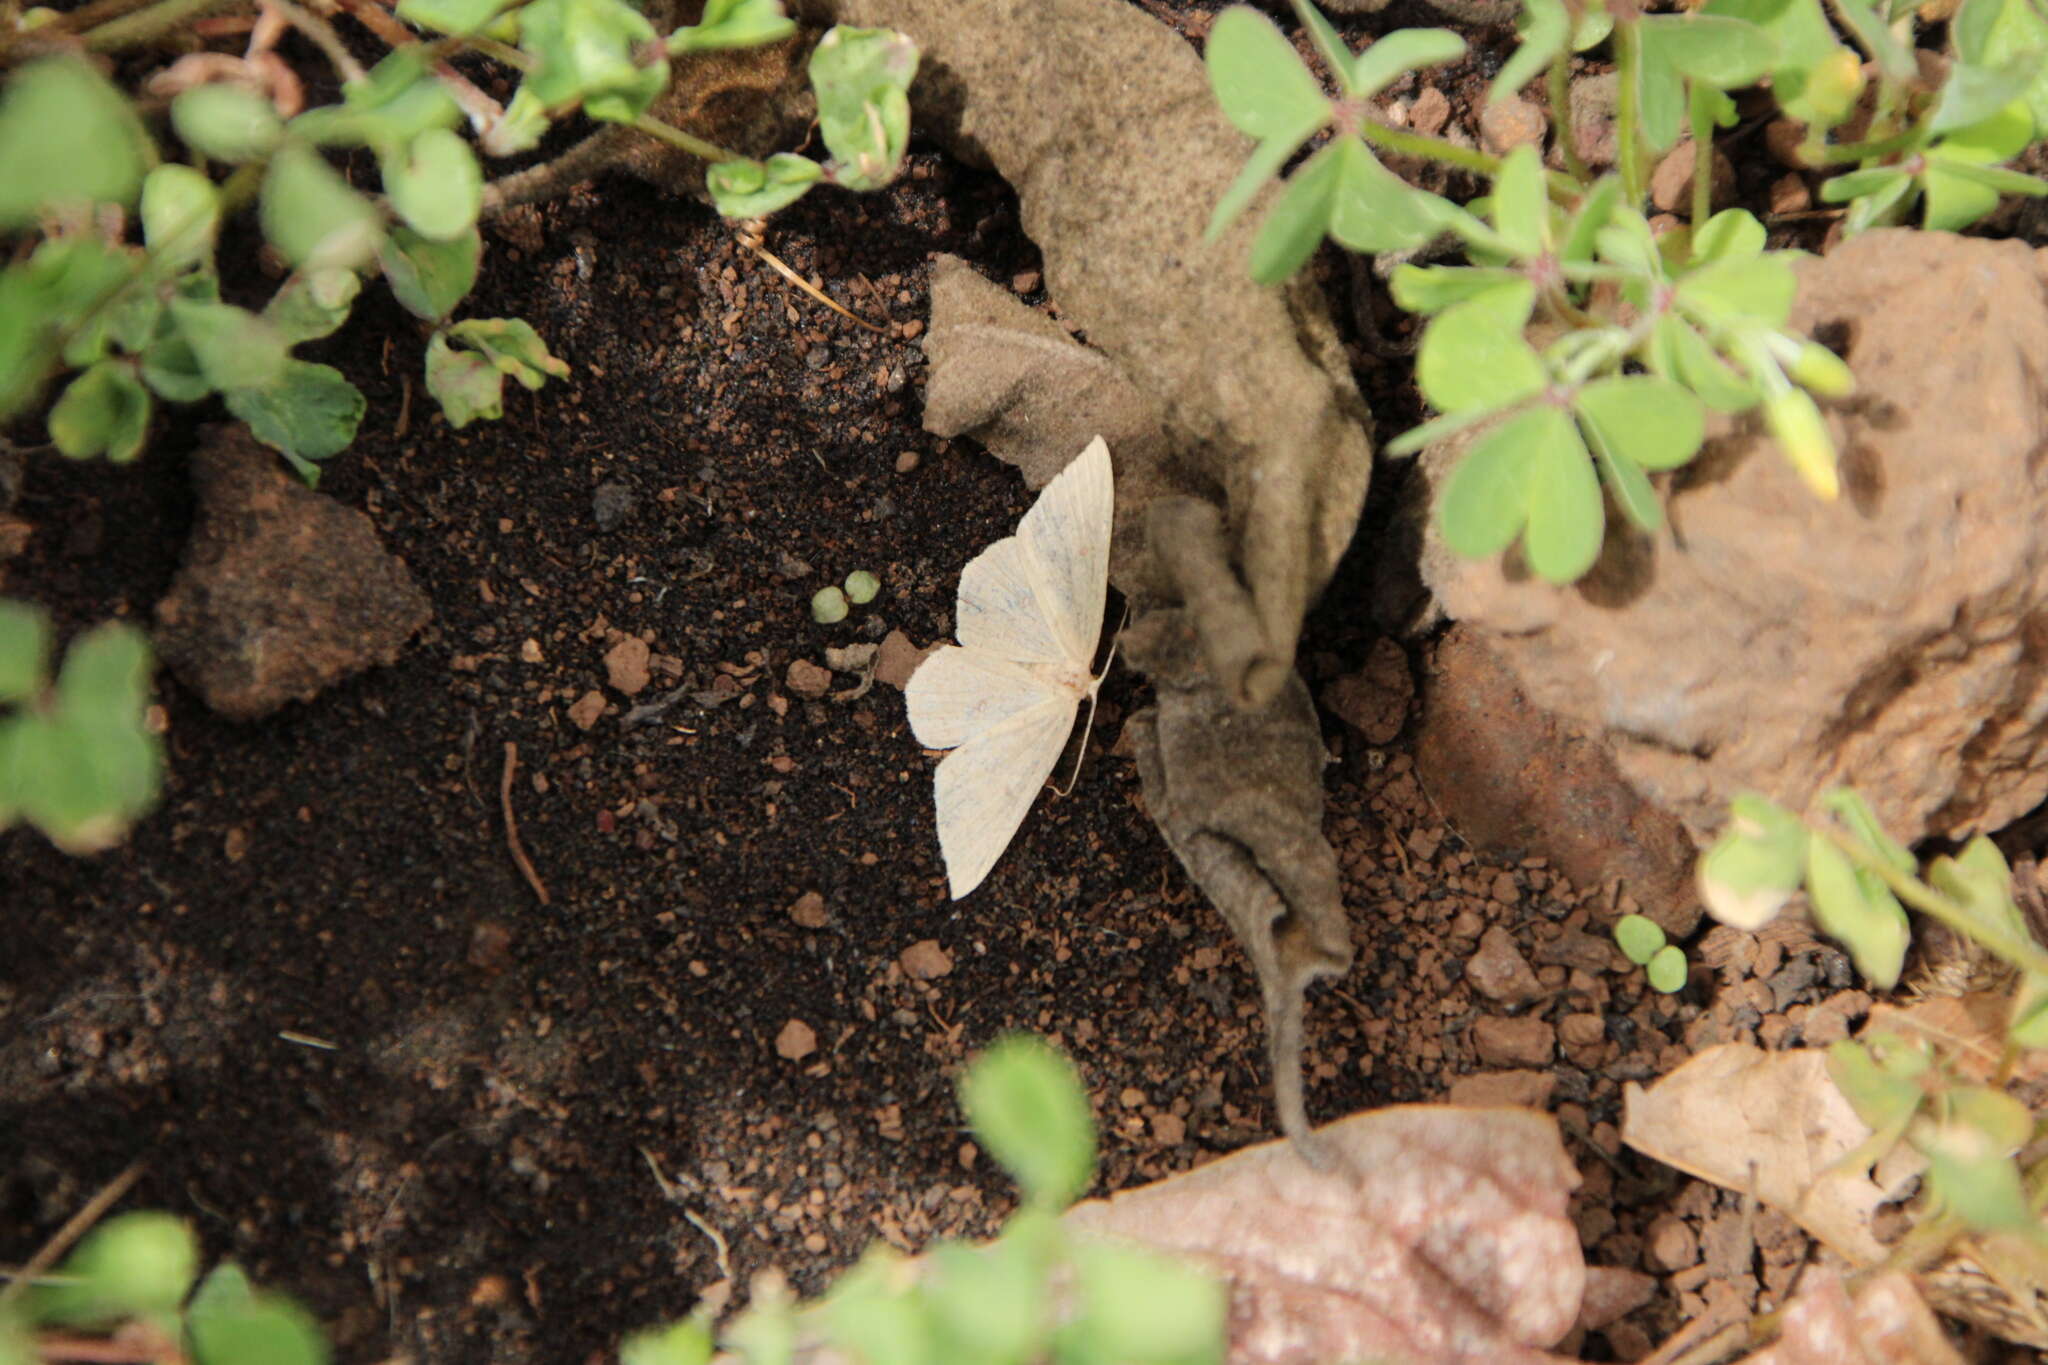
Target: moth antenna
[{"x": 1094, "y": 692}]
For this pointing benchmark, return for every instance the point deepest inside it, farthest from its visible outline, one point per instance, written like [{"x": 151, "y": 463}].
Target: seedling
[
  {"x": 139, "y": 324},
  {"x": 1642, "y": 334},
  {"x": 77, "y": 758},
  {"x": 131, "y": 1280},
  {"x": 828, "y": 606},
  {"x": 1641, "y": 940},
  {"x": 1033, "y": 1294},
  {"x": 862, "y": 587},
  {"x": 1905, "y": 1088}
]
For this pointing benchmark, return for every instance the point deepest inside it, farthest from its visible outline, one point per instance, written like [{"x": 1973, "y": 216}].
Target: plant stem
[
  {"x": 1404, "y": 143},
  {"x": 147, "y": 25},
  {"x": 1560, "y": 87},
  {"x": 689, "y": 142},
  {"x": 1702, "y": 156},
  {"x": 1837, "y": 154},
  {"x": 322, "y": 35},
  {"x": 2028, "y": 957},
  {"x": 1627, "y": 118}
]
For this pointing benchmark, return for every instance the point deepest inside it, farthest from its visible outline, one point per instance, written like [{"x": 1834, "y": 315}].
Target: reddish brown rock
[
  {"x": 1498, "y": 970},
  {"x": 809, "y": 911},
  {"x": 806, "y": 679},
  {"x": 1671, "y": 182},
  {"x": 1672, "y": 1244},
  {"x": 797, "y": 1041},
  {"x": 1522, "y": 1041},
  {"x": 1791, "y": 643},
  {"x": 1516, "y": 780},
  {"x": 897, "y": 659},
  {"x": 1511, "y": 123},
  {"x": 1612, "y": 1292},
  {"x": 283, "y": 592},
  {"x": 925, "y": 960},
  {"x": 626, "y": 664},
  {"x": 1483, "y": 1089},
  {"x": 1374, "y": 700}
]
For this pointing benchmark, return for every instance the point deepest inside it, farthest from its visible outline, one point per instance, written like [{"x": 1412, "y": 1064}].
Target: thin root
[{"x": 512, "y": 824}]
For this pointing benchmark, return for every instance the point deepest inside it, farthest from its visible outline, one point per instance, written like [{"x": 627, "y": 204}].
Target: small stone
[
  {"x": 1498, "y": 970},
  {"x": 1131, "y": 1097},
  {"x": 797, "y": 1041},
  {"x": 925, "y": 960},
  {"x": 897, "y": 659},
  {"x": 1521, "y": 1041},
  {"x": 1671, "y": 182},
  {"x": 1374, "y": 701},
  {"x": 807, "y": 679},
  {"x": 611, "y": 503},
  {"x": 1510, "y": 124},
  {"x": 1593, "y": 103},
  {"x": 1486, "y": 1089},
  {"x": 626, "y": 664},
  {"x": 1789, "y": 194},
  {"x": 1506, "y": 889},
  {"x": 530, "y": 652},
  {"x": 1169, "y": 1130},
  {"x": 809, "y": 910},
  {"x": 1025, "y": 281},
  {"x": 1671, "y": 1244},
  {"x": 906, "y": 462},
  {"x": 1782, "y": 139},
  {"x": 1582, "y": 1030},
  {"x": 584, "y": 712},
  {"x": 1612, "y": 1292},
  {"x": 1430, "y": 111},
  {"x": 490, "y": 946}
]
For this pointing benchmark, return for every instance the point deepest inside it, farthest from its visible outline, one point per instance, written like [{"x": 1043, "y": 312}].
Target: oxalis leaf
[
  {"x": 427, "y": 277},
  {"x": 862, "y": 78},
  {"x": 67, "y": 137},
  {"x": 1756, "y": 864},
  {"x": 309, "y": 413},
  {"x": 754, "y": 189},
  {"x": 466, "y": 385},
  {"x": 1029, "y": 1109},
  {"x": 1856, "y": 908},
  {"x": 733, "y": 23},
  {"x": 588, "y": 52},
  {"x": 436, "y": 185}
]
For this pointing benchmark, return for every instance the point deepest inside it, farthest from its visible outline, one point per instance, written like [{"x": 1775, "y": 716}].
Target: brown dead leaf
[
  {"x": 1769, "y": 1121},
  {"x": 1440, "y": 1237},
  {"x": 1886, "y": 1323}
]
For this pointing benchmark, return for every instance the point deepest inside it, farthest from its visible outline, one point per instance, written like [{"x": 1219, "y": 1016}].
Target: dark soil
[{"x": 315, "y": 994}]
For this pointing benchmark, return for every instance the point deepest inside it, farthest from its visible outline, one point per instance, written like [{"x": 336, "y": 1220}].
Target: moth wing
[
  {"x": 985, "y": 787},
  {"x": 1037, "y": 596},
  {"x": 1067, "y": 531},
  {"x": 957, "y": 693}
]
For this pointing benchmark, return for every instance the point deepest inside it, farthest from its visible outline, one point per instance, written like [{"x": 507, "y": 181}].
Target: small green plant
[
  {"x": 1905, "y": 1087},
  {"x": 1588, "y": 347},
  {"x": 1641, "y": 940},
  {"x": 828, "y": 605},
  {"x": 77, "y": 758},
  {"x": 1034, "y": 1294},
  {"x": 862, "y": 587},
  {"x": 135, "y": 322},
  {"x": 128, "y": 1287}
]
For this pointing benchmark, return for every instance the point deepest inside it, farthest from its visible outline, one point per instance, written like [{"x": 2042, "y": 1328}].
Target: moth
[{"x": 1004, "y": 698}]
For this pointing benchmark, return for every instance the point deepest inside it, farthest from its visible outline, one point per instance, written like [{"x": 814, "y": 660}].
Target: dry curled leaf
[
  {"x": 1885, "y": 1323},
  {"x": 1439, "y": 1237},
  {"x": 1771, "y": 1122}
]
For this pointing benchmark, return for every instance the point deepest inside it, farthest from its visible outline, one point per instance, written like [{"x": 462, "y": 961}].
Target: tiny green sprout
[
  {"x": 1639, "y": 937},
  {"x": 1666, "y": 969},
  {"x": 861, "y": 587},
  {"x": 828, "y": 606}
]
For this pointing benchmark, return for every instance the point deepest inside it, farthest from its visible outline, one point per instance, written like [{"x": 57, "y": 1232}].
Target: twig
[
  {"x": 512, "y": 824},
  {"x": 100, "y": 1351},
  {"x": 323, "y": 36},
  {"x": 79, "y": 1223},
  {"x": 147, "y": 25},
  {"x": 749, "y": 241}
]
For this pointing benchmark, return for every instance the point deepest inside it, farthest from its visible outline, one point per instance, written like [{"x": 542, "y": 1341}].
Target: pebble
[
  {"x": 925, "y": 960},
  {"x": 584, "y": 712},
  {"x": 1671, "y": 182},
  {"x": 1505, "y": 1042},
  {"x": 611, "y": 503},
  {"x": 626, "y": 664},
  {"x": 809, "y": 910},
  {"x": 1169, "y": 1130},
  {"x": 1025, "y": 281},
  {"x": 797, "y": 1041},
  {"x": 1789, "y": 194},
  {"x": 897, "y": 659},
  {"x": 1510, "y": 124},
  {"x": 906, "y": 462},
  {"x": 1671, "y": 1244},
  {"x": 1430, "y": 111},
  {"x": 807, "y": 679},
  {"x": 1498, "y": 970},
  {"x": 1484, "y": 1089}
]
